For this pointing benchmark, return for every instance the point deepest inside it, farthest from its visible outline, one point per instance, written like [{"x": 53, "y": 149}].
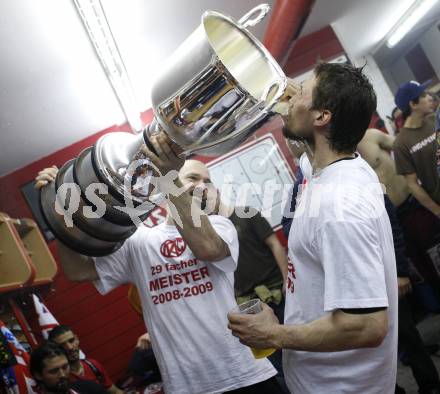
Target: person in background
[
  {"x": 415, "y": 153},
  {"x": 435, "y": 100},
  {"x": 397, "y": 120},
  {"x": 375, "y": 148},
  {"x": 142, "y": 370},
  {"x": 340, "y": 328},
  {"x": 415, "y": 145},
  {"x": 377, "y": 123},
  {"x": 86, "y": 369},
  {"x": 422, "y": 366},
  {"x": 50, "y": 368}
]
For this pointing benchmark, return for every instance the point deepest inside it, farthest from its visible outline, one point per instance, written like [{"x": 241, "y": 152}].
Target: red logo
[
  {"x": 290, "y": 276},
  {"x": 173, "y": 247}
]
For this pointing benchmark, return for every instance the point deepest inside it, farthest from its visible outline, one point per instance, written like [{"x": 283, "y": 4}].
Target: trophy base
[{"x": 72, "y": 237}]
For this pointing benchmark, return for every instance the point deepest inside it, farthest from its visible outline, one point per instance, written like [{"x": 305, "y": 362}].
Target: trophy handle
[
  {"x": 246, "y": 20},
  {"x": 281, "y": 86}
]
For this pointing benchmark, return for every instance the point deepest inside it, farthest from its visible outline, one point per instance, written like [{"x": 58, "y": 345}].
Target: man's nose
[
  {"x": 63, "y": 373},
  {"x": 200, "y": 186}
]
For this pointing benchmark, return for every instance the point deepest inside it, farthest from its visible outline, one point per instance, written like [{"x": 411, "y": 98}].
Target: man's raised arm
[
  {"x": 76, "y": 267},
  {"x": 192, "y": 223}
]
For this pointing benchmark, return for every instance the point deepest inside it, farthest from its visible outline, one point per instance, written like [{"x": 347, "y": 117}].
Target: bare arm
[
  {"x": 200, "y": 236},
  {"x": 420, "y": 194},
  {"x": 76, "y": 267},
  {"x": 279, "y": 253},
  {"x": 202, "y": 239},
  {"x": 376, "y": 137},
  {"x": 386, "y": 141},
  {"x": 336, "y": 331}
]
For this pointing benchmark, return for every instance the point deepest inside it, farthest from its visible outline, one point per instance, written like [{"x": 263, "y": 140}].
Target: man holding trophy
[{"x": 183, "y": 272}]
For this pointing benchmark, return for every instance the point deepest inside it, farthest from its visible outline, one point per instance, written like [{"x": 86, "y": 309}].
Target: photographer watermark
[{"x": 145, "y": 189}]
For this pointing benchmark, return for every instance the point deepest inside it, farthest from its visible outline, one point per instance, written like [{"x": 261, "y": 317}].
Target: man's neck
[
  {"x": 414, "y": 121},
  {"x": 322, "y": 155},
  {"x": 225, "y": 210}
]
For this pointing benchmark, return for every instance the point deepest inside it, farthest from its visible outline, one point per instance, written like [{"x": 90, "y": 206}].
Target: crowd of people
[{"x": 364, "y": 212}]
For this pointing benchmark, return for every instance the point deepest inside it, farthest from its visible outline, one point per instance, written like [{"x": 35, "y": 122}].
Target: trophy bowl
[{"x": 215, "y": 90}]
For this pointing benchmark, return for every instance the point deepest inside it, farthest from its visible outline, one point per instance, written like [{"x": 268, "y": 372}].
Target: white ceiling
[{"x": 53, "y": 89}]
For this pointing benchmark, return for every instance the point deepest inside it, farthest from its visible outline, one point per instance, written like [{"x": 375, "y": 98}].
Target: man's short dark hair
[
  {"x": 43, "y": 352},
  {"x": 348, "y": 94},
  {"x": 57, "y": 331}
]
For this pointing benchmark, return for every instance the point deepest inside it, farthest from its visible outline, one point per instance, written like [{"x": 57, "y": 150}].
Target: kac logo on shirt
[{"x": 173, "y": 247}]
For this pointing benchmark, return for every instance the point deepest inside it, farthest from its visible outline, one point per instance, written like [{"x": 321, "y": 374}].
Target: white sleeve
[
  {"x": 226, "y": 230},
  {"x": 113, "y": 270},
  {"x": 352, "y": 260}
]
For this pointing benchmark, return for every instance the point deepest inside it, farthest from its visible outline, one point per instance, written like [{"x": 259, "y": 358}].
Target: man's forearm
[
  {"x": 195, "y": 227},
  {"x": 423, "y": 198},
  {"x": 76, "y": 267},
  {"x": 334, "y": 332}
]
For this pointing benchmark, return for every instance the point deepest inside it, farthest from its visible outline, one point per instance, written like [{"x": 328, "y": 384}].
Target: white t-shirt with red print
[
  {"x": 341, "y": 256},
  {"x": 185, "y": 302}
]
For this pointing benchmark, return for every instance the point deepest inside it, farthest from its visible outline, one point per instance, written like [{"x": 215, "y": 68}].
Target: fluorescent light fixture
[
  {"x": 409, "y": 20},
  {"x": 98, "y": 29}
]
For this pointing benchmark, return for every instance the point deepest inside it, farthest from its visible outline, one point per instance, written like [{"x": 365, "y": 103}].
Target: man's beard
[
  {"x": 293, "y": 137},
  {"x": 73, "y": 356}
]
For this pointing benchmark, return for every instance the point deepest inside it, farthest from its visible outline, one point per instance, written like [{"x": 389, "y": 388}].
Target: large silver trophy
[{"x": 216, "y": 89}]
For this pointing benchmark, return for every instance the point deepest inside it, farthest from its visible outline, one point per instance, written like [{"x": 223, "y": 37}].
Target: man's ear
[
  {"x": 412, "y": 105},
  {"x": 322, "y": 118}
]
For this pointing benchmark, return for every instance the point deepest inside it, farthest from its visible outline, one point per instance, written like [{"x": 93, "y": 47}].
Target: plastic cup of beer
[{"x": 252, "y": 307}]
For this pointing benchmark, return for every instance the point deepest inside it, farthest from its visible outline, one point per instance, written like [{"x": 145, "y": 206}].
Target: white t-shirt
[
  {"x": 341, "y": 255},
  {"x": 185, "y": 302}
]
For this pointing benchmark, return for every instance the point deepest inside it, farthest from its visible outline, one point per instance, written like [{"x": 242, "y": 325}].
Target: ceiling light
[
  {"x": 98, "y": 29},
  {"x": 416, "y": 12}
]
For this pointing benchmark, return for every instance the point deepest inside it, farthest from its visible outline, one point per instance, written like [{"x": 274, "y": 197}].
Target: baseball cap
[{"x": 409, "y": 91}]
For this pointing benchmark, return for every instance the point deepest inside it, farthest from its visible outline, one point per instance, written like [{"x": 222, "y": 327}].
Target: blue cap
[{"x": 409, "y": 91}]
